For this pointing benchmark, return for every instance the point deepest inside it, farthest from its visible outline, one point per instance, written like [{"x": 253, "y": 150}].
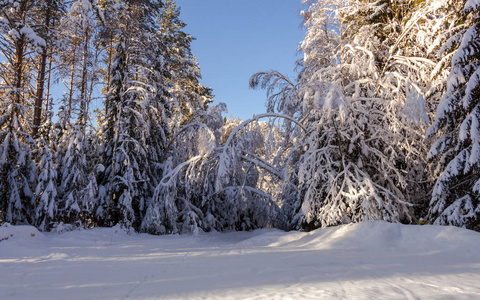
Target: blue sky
[{"x": 237, "y": 38}]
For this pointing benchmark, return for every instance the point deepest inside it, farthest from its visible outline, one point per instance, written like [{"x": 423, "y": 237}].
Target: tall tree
[
  {"x": 18, "y": 44},
  {"x": 363, "y": 100},
  {"x": 136, "y": 109},
  {"x": 49, "y": 11},
  {"x": 77, "y": 58},
  {"x": 185, "y": 89},
  {"x": 455, "y": 198},
  {"x": 46, "y": 189}
]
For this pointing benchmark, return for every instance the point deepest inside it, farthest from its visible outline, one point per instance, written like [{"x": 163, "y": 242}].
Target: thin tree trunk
[
  {"x": 83, "y": 89},
  {"x": 49, "y": 80},
  {"x": 110, "y": 58},
  {"x": 37, "y": 113},
  {"x": 72, "y": 77},
  {"x": 18, "y": 67},
  {"x": 18, "y": 71}
]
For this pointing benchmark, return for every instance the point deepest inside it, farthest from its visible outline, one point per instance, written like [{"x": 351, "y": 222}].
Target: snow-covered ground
[{"x": 375, "y": 260}]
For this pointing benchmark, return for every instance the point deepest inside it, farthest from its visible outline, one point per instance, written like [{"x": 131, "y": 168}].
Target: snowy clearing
[{"x": 374, "y": 260}]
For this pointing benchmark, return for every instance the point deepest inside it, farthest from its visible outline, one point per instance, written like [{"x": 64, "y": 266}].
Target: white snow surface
[{"x": 372, "y": 260}]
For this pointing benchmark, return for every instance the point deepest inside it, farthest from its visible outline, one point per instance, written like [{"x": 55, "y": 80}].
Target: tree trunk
[
  {"x": 37, "y": 113},
  {"x": 83, "y": 89},
  {"x": 18, "y": 71},
  {"x": 49, "y": 80},
  {"x": 72, "y": 78},
  {"x": 110, "y": 58}
]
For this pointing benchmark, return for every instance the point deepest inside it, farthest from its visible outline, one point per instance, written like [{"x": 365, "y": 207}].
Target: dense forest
[{"x": 381, "y": 123}]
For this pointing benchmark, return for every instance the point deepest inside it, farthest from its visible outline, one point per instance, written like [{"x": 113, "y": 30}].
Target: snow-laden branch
[
  {"x": 251, "y": 157},
  {"x": 228, "y": 152},
  {"x": 241, "y": 187},
  {"x": 168, "y": 179}
]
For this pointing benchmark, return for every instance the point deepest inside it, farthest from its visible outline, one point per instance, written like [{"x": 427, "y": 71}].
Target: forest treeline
[{"x": 381, "y": 123}]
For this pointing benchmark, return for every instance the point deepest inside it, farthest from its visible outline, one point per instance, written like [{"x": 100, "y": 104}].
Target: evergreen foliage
[
  {"x": 17, "y": 168},
  {"x": 455, "y": 197},
  {"x": 46, "y": 190},
  {"x": 343, "y": 142},
  {"x": 365, "y": 111}
]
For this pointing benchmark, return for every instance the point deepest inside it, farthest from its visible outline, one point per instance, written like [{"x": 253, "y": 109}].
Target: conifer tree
[
  {"x": 75, "y": 204},
  {"x": 18, "y": 43},
  {"x": 365, "y": 112},
  {"x": 73, "y": 175},
  {"x": 455, "y": 198},
  {"x": 136, "y": 107},
  {"x": 187, "y": 92},
  {"x": 46, "y": 190},
  {"x": 48, "y": 13},
  {"x": 77, "y": 29}
]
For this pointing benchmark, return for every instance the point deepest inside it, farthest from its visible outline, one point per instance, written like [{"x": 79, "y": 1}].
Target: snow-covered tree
[
  {"x": 362, "y": 98},
  {"x": 76, "y": 194},
  {"x": 135, "y": 128},
  {"x": 179, "y": 194},
  {"x": 124, "y": 153},
  {"x": 188, "y": 94},
  {"x": 215, "y": 179},
  {"x": 46, "y": 190},
  {"x": 455, "y": 198},
  {"x": 48, "y": 13},
  {"x": 18, "y": 43},
  {"x": 77, "y": 67},
  {"x": 74, "y": 204}
]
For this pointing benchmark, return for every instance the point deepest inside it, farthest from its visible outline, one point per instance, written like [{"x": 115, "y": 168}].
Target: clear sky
[{"x": 237, "y": 38}]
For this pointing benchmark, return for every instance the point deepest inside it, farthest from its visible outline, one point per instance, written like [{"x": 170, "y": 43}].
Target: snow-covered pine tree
[
  {"x": 188, "y": 94},
  {"x": 455, "y": 198},
  {"x": 46, "y": 190},
  {"x": 77, "y": 29},
  {"x": 122, "y": 149},
  {"x": 157, "y": 104},
  {"x": 75, "y": 201},
  {"x": 48, "y": 13},
  {"x": 18, "y": 43},
  {"x": 73, "y": 173},
  {"x": 136, "y": 108}
]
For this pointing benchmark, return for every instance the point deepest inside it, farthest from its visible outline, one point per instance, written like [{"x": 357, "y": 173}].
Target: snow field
[{"x": 374, "y": 260}]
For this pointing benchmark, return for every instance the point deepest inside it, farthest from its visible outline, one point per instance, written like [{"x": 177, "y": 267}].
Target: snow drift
[{"x": 361, "y": 261}]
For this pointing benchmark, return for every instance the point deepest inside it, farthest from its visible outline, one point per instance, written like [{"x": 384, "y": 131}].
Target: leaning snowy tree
[
  {"x": 221, "y": 176},
  {"x": 179, "y": 202},
  {"x": 456, "y": 196},
  {"x": 249, "y": 173},
  {"x": 361, "y": 97},
  {"x": 176, "y": 206}
]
